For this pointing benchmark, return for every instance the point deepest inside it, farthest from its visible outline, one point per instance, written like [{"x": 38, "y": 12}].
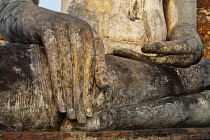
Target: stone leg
[
  {"x": 185, "y": 111},
  {"x": 26, "y": 101},
  {"x": 144, "y": 96},
  {"x": 134, "y": 82}
]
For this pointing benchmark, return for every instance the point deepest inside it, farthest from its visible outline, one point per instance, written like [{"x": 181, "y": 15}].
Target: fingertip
[
  {"x": 121, "y": 52},
  {"x": 61, "y": 108},
  {"x": 82, "y": 119},
  {"x": 71, "y": 114},
  {"x": 116, "y": 51},
  {"x": 101, "y": 77},
  {"x": 102, "y": 82},
  {"x": 146, "y": 48}
]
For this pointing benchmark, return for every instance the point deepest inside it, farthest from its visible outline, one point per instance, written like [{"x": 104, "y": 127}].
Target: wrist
[
  {"x": 4, "y": 3},
  {"x": 182, "y": 31}
]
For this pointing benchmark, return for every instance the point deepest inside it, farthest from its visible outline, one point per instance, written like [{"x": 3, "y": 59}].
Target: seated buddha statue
[{"x": 114, "y": 64}]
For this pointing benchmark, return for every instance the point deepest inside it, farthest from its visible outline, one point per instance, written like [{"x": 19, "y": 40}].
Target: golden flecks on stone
[
  {"x": 89, "y": 110},
  {"x": 2, "y": 39}
]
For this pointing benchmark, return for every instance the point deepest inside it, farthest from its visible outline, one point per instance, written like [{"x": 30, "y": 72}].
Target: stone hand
[
  {"x": 75, "y": 56},
  {"x": 74, "y": 51},
  {"x": 183, "y": 49},
  {"x": 74, "y": 59}
]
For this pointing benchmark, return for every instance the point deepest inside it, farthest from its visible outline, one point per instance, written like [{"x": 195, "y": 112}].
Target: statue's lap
[{"x": 28, "y": 98}]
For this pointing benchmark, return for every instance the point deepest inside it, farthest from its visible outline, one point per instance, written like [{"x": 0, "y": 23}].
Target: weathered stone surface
[
  {"x": 26, "y": 99},
  {"x": 74, "y": 52},
  {"x": 140, "y": 95},
  {"x": 122, "y": 24},
  {"x": 179, "y": 137},
  {"x": 149, "y": 103},
  {"x": 130, "y": 24},
  {"x": 27, "y": 96}
]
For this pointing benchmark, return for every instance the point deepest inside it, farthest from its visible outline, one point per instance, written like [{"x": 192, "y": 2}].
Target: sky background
[{"x": 54, "y": 5}]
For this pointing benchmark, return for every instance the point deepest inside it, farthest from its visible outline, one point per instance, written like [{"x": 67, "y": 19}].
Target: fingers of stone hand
[
  {"x": 50, "y": 44},
  {"x": 182, "y": 60},
  {"x": 78, "y": 74},
  {"x": 100, "y": 68},
  {"x": 64, "y": 56},
  {"x": 89, "y": 64},
  {"x": 130, "y": 54},
  {"x": 170, "y": 47}
]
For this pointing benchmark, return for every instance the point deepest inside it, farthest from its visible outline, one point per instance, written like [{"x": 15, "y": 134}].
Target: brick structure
[
  {"x": 204, "y": 24},
  {"x": 158, "y": 134}
]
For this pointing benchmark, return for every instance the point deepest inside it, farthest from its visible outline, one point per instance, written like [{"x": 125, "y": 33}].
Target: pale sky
[{"x": 54, "y": 5}]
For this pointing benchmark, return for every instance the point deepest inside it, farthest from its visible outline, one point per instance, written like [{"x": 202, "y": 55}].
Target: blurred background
[{"x": 203, "y": 27}]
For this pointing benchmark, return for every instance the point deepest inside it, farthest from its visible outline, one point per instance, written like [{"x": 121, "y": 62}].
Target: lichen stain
[
  {"x": 136, "y": 9},
  {"x": 99, "y": 6}
]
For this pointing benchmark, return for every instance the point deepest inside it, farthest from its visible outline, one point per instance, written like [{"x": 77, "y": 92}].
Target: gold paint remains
[{"x": 3, "y": 41}]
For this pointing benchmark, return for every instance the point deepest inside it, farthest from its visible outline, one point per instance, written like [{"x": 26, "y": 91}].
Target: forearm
[
  {"x": 20, "y": 22},
  {"x": 181, "y": 21},
  {"x": 4, "y": 3},
  {"x": 180, "y": 11},
  {"x": 16, "y": 24}
]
